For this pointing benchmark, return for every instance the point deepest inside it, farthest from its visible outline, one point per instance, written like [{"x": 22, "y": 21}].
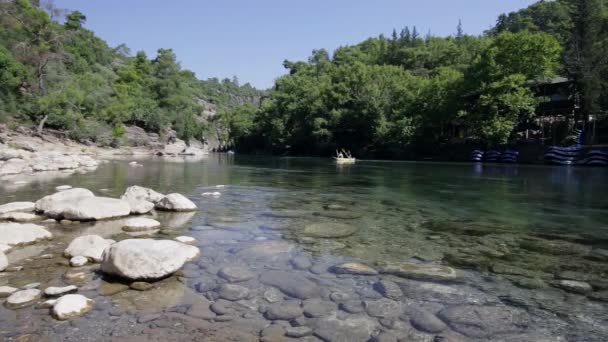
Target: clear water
[{"x": 540, "y": 219}]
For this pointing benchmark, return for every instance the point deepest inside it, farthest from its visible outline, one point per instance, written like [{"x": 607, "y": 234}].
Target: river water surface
[{"x": 529, "y": 244}]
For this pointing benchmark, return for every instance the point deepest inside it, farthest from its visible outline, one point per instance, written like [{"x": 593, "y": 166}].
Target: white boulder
[
  {"x": 186, "y": 239},
  {"x": 15, "y": 234},
  {"x": 146, "y": 258},
  {"x": 89, "y": 246},
  {"x": 176, "y": 202},
  {"x": 94, "y": 208},
  {"x": 71, "y": 306},
  {"x": 141, "y": 199},
  {"x": 51, "y": 202},
  {"x": 14, "y": 166},
  {"x": 78, "y": 261},
  {"x": 19, "y": 217},
  {"x": 6, "y": 291}
]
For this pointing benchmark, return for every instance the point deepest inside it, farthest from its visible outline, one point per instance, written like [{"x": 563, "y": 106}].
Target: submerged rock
[
  {"x": 353, "y": 268},
  {"x": 329, "y": 230},
  {"x": 291, "y": 284},
  {"x": 71, "y": 306},
  {"x": 286, "y": 311},
  {"x": 24, "y": 207},
  {"x": 146, "y": 259},
  {"x": 176, "y": 202},
  {"x": 352, "y": 328},
  {"x": 426, "y": 321},
  {"x": 15, "y": 234},
  {"x": 424, "y": 272},
  {"x": 139, "y": 224},
  {"x": 233, "y": 292},
  {"x": 383, "y": 308},
  {"x": 483, "y": 321},
  {"x": 89, "y": 246},
  {"x": 388, "y": 289},
  {"x": 23, "y": 298},
  {"x": 574, "y": 286},
  {"x": 235, "y": 274},
  {"x": 266, "y": 249}
]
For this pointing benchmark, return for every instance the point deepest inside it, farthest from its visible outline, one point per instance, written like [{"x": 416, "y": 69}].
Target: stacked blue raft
[
  {"x": 493, "y": 156},
  {"x": 576, "y": 154}
]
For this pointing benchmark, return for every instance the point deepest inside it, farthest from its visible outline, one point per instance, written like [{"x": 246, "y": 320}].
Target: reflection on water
[{"x": 518, "y": 231}]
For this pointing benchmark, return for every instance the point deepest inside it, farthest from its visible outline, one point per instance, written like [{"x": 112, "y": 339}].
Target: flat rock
[
  {"x": 19, "y": 217},
  {"x": 186, "y": 239},
  {"x": 484, "y": 321},
  {"x": 51, "y": 202},
  {"x": 235, "y": 274},
  {"x": 329, "y": 230},
  {"x": 340, "y": 215},
  {"x": 141, "y": 286},
  {"x": 139, "y": 224},
  {"x": 90, "y": 209},
  {"x": 233, "y": 292},
  {"x": 353, "y": 268},
  {"x": 23, "y": 298},
  {"x": 146, "y": 258},
  {"x": 291, "y": 284},
  {"x": 424, "y": 272},
  {"x": 63, "y": 187},
  {"x": 301, "y": 262},
  {"x": 266, "y": 249},
  {"x": 175, "y": 202},
  {"x": 6, "y": 291},
  {"x": 297, "y": 332},
  {"x": 72, "y": 306},
  {"x": 285, "y": 311},
  {"x": 89, "y": 246},
  {"x": 574, "y": 286},
  {"x": 55, "y": 291},
  {"x": 201, "y": 310},
  {"x": 24, "y": 207},
  {"x": 16, "y": 234}
]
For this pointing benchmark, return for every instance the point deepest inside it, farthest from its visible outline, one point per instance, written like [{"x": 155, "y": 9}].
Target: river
[{"x": 529, "y": 245}]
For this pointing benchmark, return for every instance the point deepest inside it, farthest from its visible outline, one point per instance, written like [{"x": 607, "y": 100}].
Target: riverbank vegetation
[
  {"x": 384, "y": 94},
  {"x": 389, "y": 93},
  {"x": 63, "y": 76}
]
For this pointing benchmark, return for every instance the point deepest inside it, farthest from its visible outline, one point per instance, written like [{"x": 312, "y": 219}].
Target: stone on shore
[
  {"x": 424, "y": 272},
  {"x": 329, "y": 230},
  {"x": 23, "y": 298},
  {"x": 291, "y": 284},
  {"x": 146, "y": 258},
  {"x": 176, "y": 202},
  {"x": 16, "y": 234},
  {"x": 89, "y": 246},
  {"x": 353, "y": 268},
  {"x": 23, "y": 207},
  {"x": 140, "y": 224},
  {"x": 71, "y": 306},
  {"x": 53, "y": 202},
  {"x": 55, "y": 291}
]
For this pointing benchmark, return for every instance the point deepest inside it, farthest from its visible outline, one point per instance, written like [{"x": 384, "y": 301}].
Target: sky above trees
[{"x": 250, "y": 39}]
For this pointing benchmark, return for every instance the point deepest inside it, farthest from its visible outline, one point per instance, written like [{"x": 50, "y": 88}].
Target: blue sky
[{"x": 251, "y": 38}]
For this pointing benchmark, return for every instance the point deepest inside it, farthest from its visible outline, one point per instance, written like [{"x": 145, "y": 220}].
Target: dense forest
[
  {"x": 56, "y": 74},
  {"x": 384, "y": 94},
  {"x": 406, "y": 90}
]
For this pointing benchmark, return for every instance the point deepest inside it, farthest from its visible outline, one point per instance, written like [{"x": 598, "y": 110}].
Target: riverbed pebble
[
  {"x": 235, "y": 274},
  {"x": 233, "y": 292},
  {"x": 71, "y": 306},
  {"x": 55, "y": 291},
  {"x": 353, "y": 268},
  {"x": 186, "y": 239},
  {"x": 286, "y": 310},
  {"x": 23, "y": 298},
  {"x": 78, "y": 261}
]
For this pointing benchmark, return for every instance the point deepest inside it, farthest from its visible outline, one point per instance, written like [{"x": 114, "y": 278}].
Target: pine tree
[
  {"x": 459, "y": 31},
  {"x": 415, "y": 37},
  {"x": 405, "y": 37}
]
